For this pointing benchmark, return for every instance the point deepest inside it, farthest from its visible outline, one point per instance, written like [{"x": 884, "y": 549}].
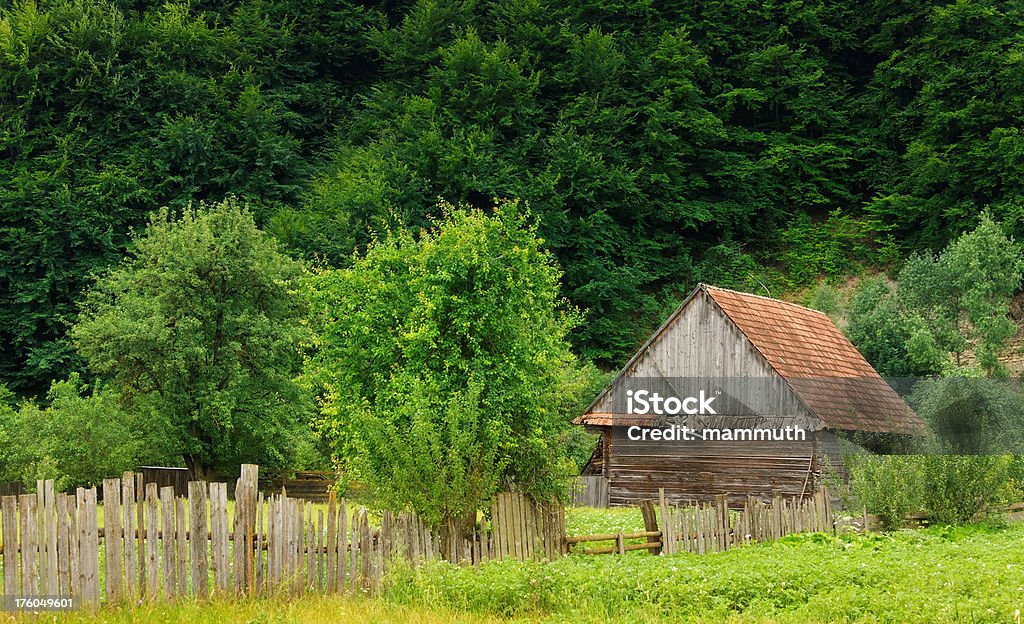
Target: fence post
[
  {"x": 245, "y": 513},
  {"x": 90, "y": 547},
  {"x": 651, "y": 523},
  {"x": 198, "y": 545}
]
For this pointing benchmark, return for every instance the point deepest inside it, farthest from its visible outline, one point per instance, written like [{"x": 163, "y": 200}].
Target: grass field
[{"x": 969, "y": 574}]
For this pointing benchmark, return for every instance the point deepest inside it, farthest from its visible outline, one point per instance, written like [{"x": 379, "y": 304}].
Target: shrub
[
  {"x": 959, "y": 488},
  {"x": 888, "y": 486},
  {"x": 83, "y": 436}
]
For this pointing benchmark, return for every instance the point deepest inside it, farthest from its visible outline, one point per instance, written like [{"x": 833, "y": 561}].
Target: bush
[
  {"x": 949, "y": 489},
  {"x": 888, "y": 486},
  {"x": 80, "y": 438},
  {"x": 957, "y": 489}
]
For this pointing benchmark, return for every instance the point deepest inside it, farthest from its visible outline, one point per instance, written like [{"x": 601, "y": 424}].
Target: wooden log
[
  {"x": 651, "y": 523},
  {"x": 152, "y": 542},
  {"x": 606, "y": 550},
  {"x": 198, "y": 562},
  {"x": 604, "y": 537},
  {"x": 89, "y": 541}
]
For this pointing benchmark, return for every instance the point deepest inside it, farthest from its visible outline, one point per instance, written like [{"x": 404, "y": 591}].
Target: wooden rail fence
[
  {"x": 154, "y": 545},
  {"x": 712, "y": 527}
]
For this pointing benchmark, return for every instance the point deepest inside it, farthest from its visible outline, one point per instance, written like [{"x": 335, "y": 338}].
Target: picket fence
[
  {"x": 158, "y": 546},
  {"x": 713, "y": 527}
]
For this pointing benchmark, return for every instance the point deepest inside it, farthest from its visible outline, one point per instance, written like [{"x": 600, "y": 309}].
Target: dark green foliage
[
  {"x": 107, "y": 113},
  {"x": 750, "y": 144}
]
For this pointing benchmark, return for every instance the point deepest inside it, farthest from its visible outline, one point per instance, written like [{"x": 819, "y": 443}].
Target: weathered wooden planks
[{"x": 155, "y": 545}]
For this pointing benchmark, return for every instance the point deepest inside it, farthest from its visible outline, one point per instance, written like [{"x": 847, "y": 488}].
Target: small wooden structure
[
  {"x": 310, "y": 485},
  {"x": 770, "y": 365},
  {"x": 166, "y": 476}
]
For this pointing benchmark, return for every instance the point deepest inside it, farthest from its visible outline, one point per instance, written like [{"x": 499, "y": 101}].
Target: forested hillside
[{"x": 755, "y": 144}]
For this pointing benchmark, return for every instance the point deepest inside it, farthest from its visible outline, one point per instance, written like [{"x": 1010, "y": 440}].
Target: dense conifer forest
[{"x": 763, "y": 145}]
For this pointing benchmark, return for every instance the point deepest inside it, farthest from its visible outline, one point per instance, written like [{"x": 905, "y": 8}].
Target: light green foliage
[
  {"x": 444, "y": 365},
  {"x": 199, "y": 327},
  {"x": 895, "y": 345},
  {"x": 826, "y": 298},
  {"x": 963, "y": 295},
  {"x": 839, "y": 245},
  {"x": 941, "y": 306},
  {"x": 888, "y": 486}
]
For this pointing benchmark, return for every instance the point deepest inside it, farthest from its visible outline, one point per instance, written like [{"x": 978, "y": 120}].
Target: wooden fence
[
  {"x": 590, "y": 491},
  {"x": 312, "y": 485},
  {"x": 154, "y": 545},
  {"x": 713, "y": 527}
]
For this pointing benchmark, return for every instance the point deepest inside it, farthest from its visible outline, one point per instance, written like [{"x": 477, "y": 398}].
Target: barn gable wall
[{"x": 702, "y": 342}]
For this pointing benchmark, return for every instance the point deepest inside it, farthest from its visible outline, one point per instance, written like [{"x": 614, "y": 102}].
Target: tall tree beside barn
[
  {"x": 444, "y": 364},
  {"x": 199, "y": 327}
]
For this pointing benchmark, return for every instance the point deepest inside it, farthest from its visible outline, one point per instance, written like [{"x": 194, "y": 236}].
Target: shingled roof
[{"x": 828, "y": 374}]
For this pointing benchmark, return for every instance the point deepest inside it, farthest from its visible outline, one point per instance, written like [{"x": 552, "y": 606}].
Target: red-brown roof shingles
[{"x": 831, "y": 377}]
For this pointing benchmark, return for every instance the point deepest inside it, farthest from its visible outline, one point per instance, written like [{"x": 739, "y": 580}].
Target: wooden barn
[{"x": 758, "y": 366}]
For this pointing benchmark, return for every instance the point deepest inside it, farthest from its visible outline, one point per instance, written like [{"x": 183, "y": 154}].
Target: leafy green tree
[
  {"x": 963, "y": 295},
  {"x": 878, "y": 326},
  {"x": 199, "y": 327},
  {"x": 444, "y": 365},
  {"x": 942, "y": 306}
]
